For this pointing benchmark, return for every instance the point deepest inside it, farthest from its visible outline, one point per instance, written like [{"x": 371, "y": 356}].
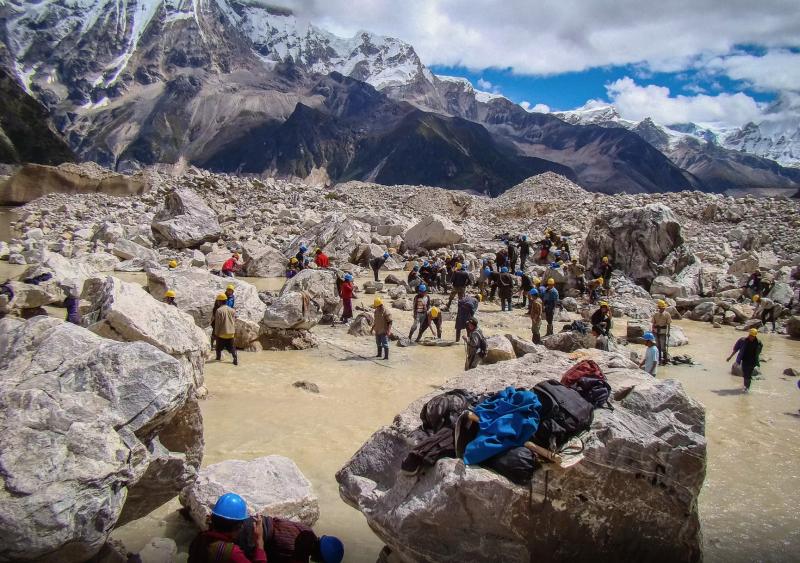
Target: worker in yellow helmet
[
  {"x": 601, "y": 319},
  {"x": 169, "y": 297},
  {"x": 381, "y": 327},
  {"x": 749, "y": 355},
  {"x": 595, "y": 289},
  {"x": 660, "y": 326},
  {"x": 173, "y": 264},
  {"x": 604, "y": 273},
  {"x": 434, "y": 320},
  {"x": 229, "y": 291},
  {"x": 293, "y": 268}
]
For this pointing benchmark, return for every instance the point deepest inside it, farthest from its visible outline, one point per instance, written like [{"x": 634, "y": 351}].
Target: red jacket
[
  {"x": 211, "y": 546},
  {"x": 290, "y": 542},
  {"x": 229, "y": 265},
  {"x": 346, "y": 291},
  {"x": 321, "y": 260}
]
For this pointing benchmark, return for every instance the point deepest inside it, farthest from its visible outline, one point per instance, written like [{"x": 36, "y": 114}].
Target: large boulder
[
  {"x": 498, "y": 349},
  {"x": 127, "y": 250},
  {"x": 632, "y": 497},
  {"x": 568, "y": 341},
  {"x": 64, "y": 272},
  {"x": 433, "y": 231},
  {"x": 80, "y": 418},
  {"x": 33, "y": 181},
  {"x": 319, "y": 285},
  {"x": 262, "y": 261},
  {"x": 185, "y": 221},
  {"x": 338, "y": 235},
  {"x": 271, "y": 485},
  {"x": 781, "y": 293},
  {"x": 292, "y": 310},
  {"x": 667, "y": 286},
  {"x": 30, "y": 296},
  {"x": 126, "y": 312},
  {"x": 197, "y": 288},
  {"x": 637, "y": 241}
]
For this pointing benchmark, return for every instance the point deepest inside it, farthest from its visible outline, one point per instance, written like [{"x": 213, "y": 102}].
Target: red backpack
[
  {"x": 587, "y": 378},
  {"x": 584, "y": 368}
]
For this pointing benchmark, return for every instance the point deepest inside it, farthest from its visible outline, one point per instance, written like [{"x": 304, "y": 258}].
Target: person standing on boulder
[
  {"x": 476, "y": 345},
  {"x": 550, "y": 300},
  {"x": 382, "y": 327},
  {"x": 749, "y": 352},
  {"x": 218, "y": 543},
  {"x": 231, "y": 266},
  {"x": 650, "y": 361},
  {"x": 225, "y": 328},
  {"x": 535, "y": 313},
  {"x": 321, "y": 259},
  {"x": 422, "y": 303},
  {"x": 377, "y": 263},
  {"x": 346, "y": 294},
  {"x": 524, "y": 251},
  {"x": 661, "y": 323},
  {"x": 765, "y": 310}
]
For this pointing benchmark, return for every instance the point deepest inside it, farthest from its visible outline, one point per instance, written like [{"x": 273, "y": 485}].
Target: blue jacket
[
  {"x": 231, "y": 301},
  {"x": 550, "y": 298}
]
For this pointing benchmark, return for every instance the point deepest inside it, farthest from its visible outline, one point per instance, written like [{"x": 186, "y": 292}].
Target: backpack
[
  {"x": 564, "y": 414},
  {"x": 587, "y": 378}
]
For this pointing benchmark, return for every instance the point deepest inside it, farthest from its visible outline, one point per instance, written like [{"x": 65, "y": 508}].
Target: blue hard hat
[
  {"x": 416, "y": 268},
  {"x": 463, "y": 267},
  {"x": 331, "y": 549},
  {"x": 348, "y": 277},
  {"x": 426, "y": 263},
  {"x": 303, "y": 247},
  {"x": 524, "y": 237},
  {"x": 504, "y": 270},
  {"x": 519, "y": 273},
  {"x": 422, "y": 287},
  {"x": 487, "y": 270},
  {"x": 558, "y": 253},
  {"x": 385, "y": 254},
  {"x": 649, "y": 336},
  {"x": 533, "y": 292},
  {"x": 230, "y": 506},
  {"x": 554, "y": 265}
]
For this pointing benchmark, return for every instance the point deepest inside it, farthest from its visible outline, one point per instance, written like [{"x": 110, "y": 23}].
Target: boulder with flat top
[
  {"x": 432, "y": 232},
  {"x": 185, "y": 221}
]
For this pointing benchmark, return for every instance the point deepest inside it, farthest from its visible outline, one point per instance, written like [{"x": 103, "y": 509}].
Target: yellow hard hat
[
  {"x": 603, "y": 303},
  {"x": 536, "y": 281},
  {"x": 662, "y": 304},
  {"x": 551, "y": 281},
  {"x": 756, "y": 298},
  {"x": 434, "y": 312},
  {"x": 173, "y": 264},
  {"x": 170, "y": 293},
  {"x": 458, "y": 265},
  {"x": 753, "y": 331},
  {"x": 599, "y": 280},
  {"x": 236, "y": 254},
  {"x": 231, "y": 287},
  {"x": 222, "y": 297},
  {"x": 377, "y": 303},
  {"x": 293, "y": 260},
  {"x": 318, "y": 249},
  {"x": 605, "y": 259}
]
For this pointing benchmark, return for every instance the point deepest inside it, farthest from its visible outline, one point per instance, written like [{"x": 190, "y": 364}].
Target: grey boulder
[
  {"x": 292, "y": 310},
  {"x": 319, "y": 286},
  {"x": 432, "y": 232},
  {"x": 262, "y": 261},
  {"x": 185, "y": 221}
]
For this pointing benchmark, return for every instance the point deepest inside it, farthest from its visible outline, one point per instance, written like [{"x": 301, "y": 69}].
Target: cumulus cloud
[
  {"x": 554, "y": 36},
  {"x": 778, "y": 69},
  {"x": 538, "y": 108},
  {"x": 485, "y": 85},
  {"x": 636, "y": 102}
]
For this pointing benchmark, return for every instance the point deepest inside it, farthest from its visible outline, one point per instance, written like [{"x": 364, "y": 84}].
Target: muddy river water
[{"x": 748, "y": 507}]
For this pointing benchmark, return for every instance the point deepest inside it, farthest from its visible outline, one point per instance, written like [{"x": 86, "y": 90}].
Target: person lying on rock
[
  {"x": 231, "y": 266},
  {"x": 219, "y": 542}
]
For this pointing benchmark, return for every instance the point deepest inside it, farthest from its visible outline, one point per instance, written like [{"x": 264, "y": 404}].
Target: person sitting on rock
[
  {"x": 286, "y": 541},
  {"x": 229, "y": 291},
  {"x": 661, "y": 324},
  {"x": 169, "y": 297},
  {"x": 419, "y": 310},
  {"x": 321, "y": 259},
  {"x": 346, "y": 291},
  {"x": 219, "y": 542},
  {"x": 749, "y": 355},
  {"x": 301, "y": 257},
  {"x": 291, "y": 271},
  {"x": 225, "y": 328},
  {"x": 377, "y": 263},
  {"x": 765, "y": 310},
  {"x": 381, "y": 327},
  {"x": 602, "y": 319},
  {"x": 231, "y": 266},
  {"x": 476, "y": 345}
]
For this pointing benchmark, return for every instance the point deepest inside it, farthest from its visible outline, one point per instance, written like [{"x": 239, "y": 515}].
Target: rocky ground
[{"x": 694, "y": 250}]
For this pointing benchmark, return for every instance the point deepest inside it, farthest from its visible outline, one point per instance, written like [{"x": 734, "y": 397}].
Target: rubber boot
[
  {"x": 379, "y": 352},
  {"x": 386, "y": 352}
]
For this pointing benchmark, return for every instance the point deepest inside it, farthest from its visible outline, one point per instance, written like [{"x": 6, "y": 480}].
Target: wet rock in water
[
  {"x": 159, "y": 550},
  {"x": 287, "y": 339},
  {"x": 247, "y": 335},
  {"x": 361, "y": 325},
  {"x": 185, "y": 221},
  {"x": 271, "y": 485},
  {"x": 498, "y": 349},
  {"x": 793, "y": 326},
  {"x": 262, "y": 261},
  {"x": 635, "y": 331},
  {"x": 306, "y": 386},
  {"x": 127, "y": 250},
  {"x": 94, "y": 409},
  {"x": 703, "y": 312},
  {"x": 736, "y": 370},
  {"x": 337, "y": 235},
  {"x": 293, "y": 310},
  {"x": 126, "y": 312},
  {"x": 677, "y": 337},
  {"x": 633, "y": 497},
  {"x": 636, "y": 240},
  {"x": 320, "y": 286},
  {"x": 567, "y": 341},
  {"x": 432, "y": 232},
  {"x": 791, "y": 372},
  {"x": 197, "y": 289}
]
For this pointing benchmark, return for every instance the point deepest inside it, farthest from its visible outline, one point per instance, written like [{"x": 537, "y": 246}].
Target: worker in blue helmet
[
  {"x": 220, "y": 542},
  {"x": 524, "y": 251},
  {"x": 377, "y": 263}
]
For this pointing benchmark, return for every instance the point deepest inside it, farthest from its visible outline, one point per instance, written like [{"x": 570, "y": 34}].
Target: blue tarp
[{"x": 507, "y": 420}]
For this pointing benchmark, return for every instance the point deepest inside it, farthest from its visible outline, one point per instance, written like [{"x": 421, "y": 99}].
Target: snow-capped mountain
[{"x": 777, "y": 139}]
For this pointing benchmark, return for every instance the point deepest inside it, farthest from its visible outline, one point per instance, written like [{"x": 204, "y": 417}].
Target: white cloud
[
  {"x": 552, "y": 36},
  {"x": 636, "y": 102},
  {"x": 778, "y": 69},
  {"x": 485, "y": 85},
  {"x": 538, "y": 108}
]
